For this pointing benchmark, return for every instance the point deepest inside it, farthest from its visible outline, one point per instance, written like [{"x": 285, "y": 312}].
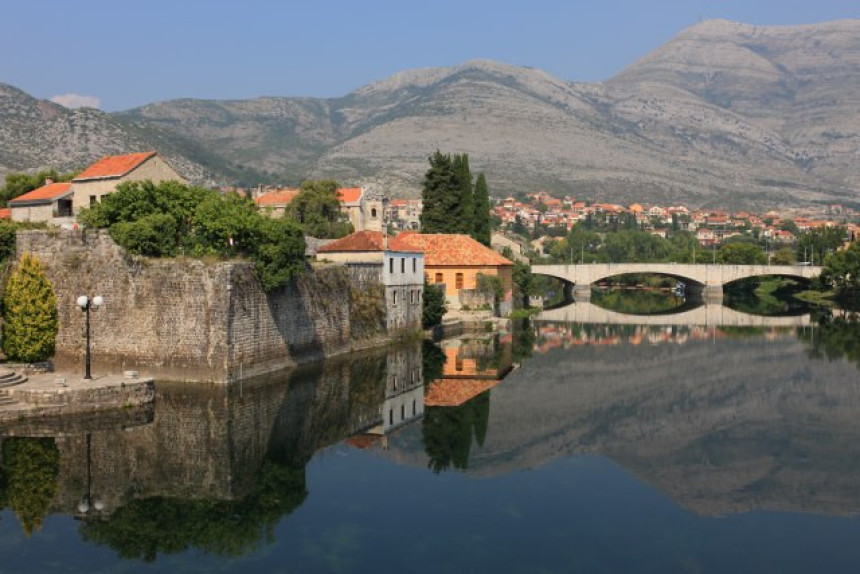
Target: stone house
[
  {"x": 59, "y": 203},
  {"x": 102, "y": 177},
  {"x": 364, "y": 208},
  {"x": 372, "y": 256},
  {"x": 455, "y": 261},
  {"x": 274, "y": 203},
  {"x": 51, "y": 203}
]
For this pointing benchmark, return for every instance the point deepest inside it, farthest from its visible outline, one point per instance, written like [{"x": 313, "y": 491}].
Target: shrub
[
  {"x": 30, "y": 312},
  {"x": 433, "y": 305},
  {"x": 153, "y": 235}
]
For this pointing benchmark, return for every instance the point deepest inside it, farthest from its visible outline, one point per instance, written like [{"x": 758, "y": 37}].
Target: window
[
  {"x": 402, "y": 412},
  {"x": 403, "y": 265},
  {"x": 439, "y": 278},
  {"x": 391, "y": 265},
  {"x": 391, "y": 416},
  {"x": 458, "y": 363},
  {"x": 413, "y": 408},
  {"x": 394, "y": 382},
  {"x": 459, "y": 281},
  {"x": 414, "y": 264},
  {"x": 94, "y": 199},
  {"x": 373, "y": 213},
  {"x": 394, "y": 297}
]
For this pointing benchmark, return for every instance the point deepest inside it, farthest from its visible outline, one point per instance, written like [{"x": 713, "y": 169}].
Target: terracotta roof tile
[
  {"x": 5, "y": 213},
  {"x": 455, "y": 392},
  {"x": 350, "y": 194},
  {"x": 114, "y": 165},
  {"x": 362, "y": 241},
  {"x": 448, "y": 249},
  {"x": 44, "y": 194},
  {"x": 276, "y": 197}
]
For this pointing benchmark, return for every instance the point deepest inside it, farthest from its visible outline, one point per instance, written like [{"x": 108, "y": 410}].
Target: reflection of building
[
  {"x": 404, "y": 389},
  {"x": 472, "y": 366}
]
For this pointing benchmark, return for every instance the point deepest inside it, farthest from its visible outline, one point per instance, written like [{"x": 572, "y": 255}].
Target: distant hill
[{"x": 724, "y": 114}]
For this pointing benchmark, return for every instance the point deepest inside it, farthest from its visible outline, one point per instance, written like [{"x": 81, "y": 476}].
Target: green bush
[
  {"x": 153, "y": 235},
  {"x": 276, "y": 260},
  {"x": 433, "y": 305},
  {"x": 30, "y": 313}
]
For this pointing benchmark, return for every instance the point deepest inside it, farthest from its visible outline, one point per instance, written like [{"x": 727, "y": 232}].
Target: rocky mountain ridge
[{"x": 724, "y": 114}]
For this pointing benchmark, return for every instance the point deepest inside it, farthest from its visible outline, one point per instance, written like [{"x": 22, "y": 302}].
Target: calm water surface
[{"x": 560, "y": 447}]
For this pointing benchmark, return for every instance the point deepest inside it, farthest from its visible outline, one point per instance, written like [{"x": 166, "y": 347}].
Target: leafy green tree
[
  {"x": 153, "y": 235},
  {"x": 317, "y": 209},
  {"x": 433, "y": 305},
  {"x": 483, "y": 223},
  {"x": 842, "y": 270},
  {"x": 18, "y": 184},
  {"x": 226, "y": 225},
  {"x": 783, "y": 256},
  {"x": 8, "y": 233},
  {"x": 814, "y": 245},
  {"x": 524, "y": 283},
  {"x": 276, "y": 255},
  {"x": 741, "y": 254},
  {"x": 31, "y": 466},
  {"x": 30, "y": 313},
  {"x": 491, "y": 287}
]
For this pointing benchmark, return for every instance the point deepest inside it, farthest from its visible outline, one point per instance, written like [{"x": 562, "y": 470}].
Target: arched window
[{"x": 373, "y": 213}]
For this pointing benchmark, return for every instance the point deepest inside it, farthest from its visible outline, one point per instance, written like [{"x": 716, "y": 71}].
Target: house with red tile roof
[
  {"x": 50, "y": 203},
  {"x": 5, "y": 213},
  {"x": 374, "y": 258},
  {"x": 102, "y": 177},
  {"x": 274, "y": 203},
  {"x": 456, "y": 261}
]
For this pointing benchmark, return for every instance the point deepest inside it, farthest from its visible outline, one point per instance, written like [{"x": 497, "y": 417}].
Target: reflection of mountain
[
  {"x": 721, "y": 426},
  {"x": 215, "y": 467}
]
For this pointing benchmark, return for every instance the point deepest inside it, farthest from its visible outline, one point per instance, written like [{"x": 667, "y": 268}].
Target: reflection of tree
[
  {"x": 448, "y": 431},
  {"x": 834, "y": 338},
  {"x": 523, "y": 340},
  {"x": 637, "y": 301},
  {"x": 31, "y": 467},
  {"x": 433, "y": 359},
  {"x": 144, "y": 528}
]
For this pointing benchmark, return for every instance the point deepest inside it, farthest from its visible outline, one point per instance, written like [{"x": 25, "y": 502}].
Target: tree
[
  {"x": 842, "y": 270},
  {"x": 524, "y": 282},
  {"x": 464, "y": 215},
  {"x": 433, "y": 308},
  {"x": 741, "y": 254},
  {"x": 317, "y": 209},
  {"x": 783, "y": 256},
  {"x": 18, "y": 184},
  {"x": 814, "y": 245},
  {"x": 279, "y": 255},
  {"x": 440, "y": 195},
  {"x": 483, "y": 224},
  {"x": 30, "y": 313}
]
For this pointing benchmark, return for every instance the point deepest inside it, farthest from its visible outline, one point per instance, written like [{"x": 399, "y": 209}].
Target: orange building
[{"x": 456, "y": 260}]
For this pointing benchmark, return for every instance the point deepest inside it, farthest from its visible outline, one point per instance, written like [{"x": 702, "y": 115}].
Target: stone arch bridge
[{"x": 704, "y": 280}]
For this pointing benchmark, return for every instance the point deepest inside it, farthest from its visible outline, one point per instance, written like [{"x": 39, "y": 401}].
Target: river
[{"x": 559, "y": 447}]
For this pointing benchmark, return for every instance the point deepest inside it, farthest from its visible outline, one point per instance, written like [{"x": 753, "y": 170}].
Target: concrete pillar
[
  {"x": 713, "y": 294},
  {"x": 582, "y": 292}
]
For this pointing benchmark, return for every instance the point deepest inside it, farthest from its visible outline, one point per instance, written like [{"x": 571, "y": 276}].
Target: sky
[{"x": 117, "y": 55}]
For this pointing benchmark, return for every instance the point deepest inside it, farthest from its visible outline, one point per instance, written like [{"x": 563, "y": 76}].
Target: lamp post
[{"x": 86, "y": 303}]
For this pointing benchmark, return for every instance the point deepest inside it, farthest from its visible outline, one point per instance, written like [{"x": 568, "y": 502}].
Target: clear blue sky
[{"x": 131, "y": 53}]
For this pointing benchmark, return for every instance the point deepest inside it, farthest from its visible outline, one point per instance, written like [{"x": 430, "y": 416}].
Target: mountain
[
  {"x": 724, "y": 114},
  {"x": 41, "y": 134}
]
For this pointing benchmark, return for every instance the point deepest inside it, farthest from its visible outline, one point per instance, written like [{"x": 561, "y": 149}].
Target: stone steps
[
  {"x": 6, "y": 400},
  {"x": 10, "y": 378}
]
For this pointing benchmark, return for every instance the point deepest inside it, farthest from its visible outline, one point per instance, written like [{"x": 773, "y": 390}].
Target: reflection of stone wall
[{"x": 187, "y": 320}]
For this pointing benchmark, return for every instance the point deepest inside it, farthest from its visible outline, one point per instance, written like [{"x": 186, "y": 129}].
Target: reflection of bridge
[
  {"x": 709, "y": 315},
  {"x": 705, "y": 279}
]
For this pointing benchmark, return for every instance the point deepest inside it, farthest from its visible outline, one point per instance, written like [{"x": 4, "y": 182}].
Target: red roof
[
  {"x": 6, "y": 213},
  {"x": 349, "y": 194},
  {"x": 448, "y": 249},
  {"x": 114, "y": 165},
  {"x": 276, "y": 197},
  {"x": 44, "y": 194},
  {"x": 364, "y": 241}
]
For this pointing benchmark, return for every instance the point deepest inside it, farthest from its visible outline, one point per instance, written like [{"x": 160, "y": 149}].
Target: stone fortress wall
[{"x": 185, "y": 319}]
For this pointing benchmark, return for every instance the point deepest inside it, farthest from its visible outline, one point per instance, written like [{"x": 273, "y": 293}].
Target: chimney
[{"x": 48, "y": 181}]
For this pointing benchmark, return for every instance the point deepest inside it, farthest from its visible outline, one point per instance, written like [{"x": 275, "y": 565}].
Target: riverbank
[{"x": 49, "y": 394}]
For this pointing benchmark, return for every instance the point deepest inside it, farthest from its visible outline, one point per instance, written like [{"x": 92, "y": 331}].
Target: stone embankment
[{"x": 184, "y": 319}]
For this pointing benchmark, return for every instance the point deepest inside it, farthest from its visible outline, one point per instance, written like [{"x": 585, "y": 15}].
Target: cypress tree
[
  {"x": 483, "y": 227},
  {"x": 439, "y": 195},
  {"x": 30, "y": 312},
  {"x": 464, "y": 215}
]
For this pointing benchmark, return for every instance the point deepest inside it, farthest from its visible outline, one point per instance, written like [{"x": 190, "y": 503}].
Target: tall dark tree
[
  {"x": 440, "y": 195},
  {"x": 483, "y": 225},
  {"x": 464, "y": 216}
]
